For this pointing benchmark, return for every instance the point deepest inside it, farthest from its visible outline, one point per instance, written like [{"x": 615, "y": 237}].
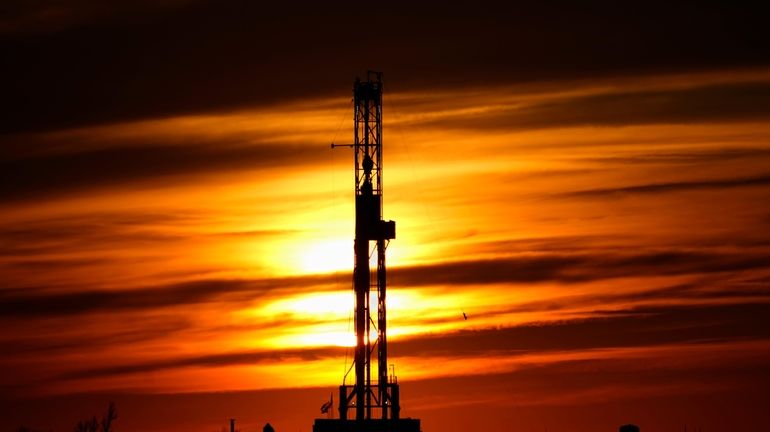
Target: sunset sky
[{"x": 589, "y": 184}]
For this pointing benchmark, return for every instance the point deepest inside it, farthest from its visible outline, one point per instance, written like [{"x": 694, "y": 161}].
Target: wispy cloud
[
  {"x": 43, "y": 176},
  {"x": 666, "y": 187},
  {"x": 244, "y": 56},
  {"x": 29, "y": 302},
  {"x": 523, "y": 269},
  {"x": 211, "y": 360},
  {"x": 634, "y": 327},
  {"x": 726, "y": 102},
  {"x": 572, "y": 268}
]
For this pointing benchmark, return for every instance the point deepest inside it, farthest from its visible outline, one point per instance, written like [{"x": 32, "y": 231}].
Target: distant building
[{"x": 629, "y": 428}]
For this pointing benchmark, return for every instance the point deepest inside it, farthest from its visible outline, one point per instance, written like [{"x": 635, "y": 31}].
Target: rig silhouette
[{"x": 369, "y": 405}]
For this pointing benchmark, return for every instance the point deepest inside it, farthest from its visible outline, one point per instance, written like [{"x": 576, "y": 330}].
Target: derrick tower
[{"x": 372, "y": 402}]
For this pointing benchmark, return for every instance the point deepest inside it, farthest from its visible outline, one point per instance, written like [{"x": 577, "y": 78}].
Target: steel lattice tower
[{"x": 376, "y": 403}]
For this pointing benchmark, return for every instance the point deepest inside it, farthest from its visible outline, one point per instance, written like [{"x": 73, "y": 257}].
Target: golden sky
[{"x": 607, "y": 236}]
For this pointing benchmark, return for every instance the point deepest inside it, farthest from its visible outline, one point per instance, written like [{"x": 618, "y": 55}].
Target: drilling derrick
[{"x": 371, "y": 404}]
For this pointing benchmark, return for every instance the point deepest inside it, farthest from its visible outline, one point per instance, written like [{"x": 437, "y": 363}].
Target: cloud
[
  {"x": 208, "y": 360},
  {"x": 521, "y": 269},
  {"x": 103, "y": 337},
  {"x": 573, "y": 268},
  {"x": 34, "y": 240},
  {"x": 724, "y": 102},
  {"x": 49, "y": 175},
  {"x": 633, "y": 379},
  {"x": 686, "y": 158},
  {"x": 587, "y": 395},
  {"x": 88, "y": 232},
  {"x": 633, "y": 327},
  {"x": 214, "y": 56},
  {"x": 28, "y": 303},
  {"x": 642, "y": 327},
  {"x": 666, "y": 187},
  {"x": 54, "y": 16}
]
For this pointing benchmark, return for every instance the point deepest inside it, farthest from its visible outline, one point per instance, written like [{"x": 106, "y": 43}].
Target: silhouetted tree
[
  {"x": 112, "y": 415},
  {"x": 92, "y": 425},
  {"x": 87, "y": 425}
]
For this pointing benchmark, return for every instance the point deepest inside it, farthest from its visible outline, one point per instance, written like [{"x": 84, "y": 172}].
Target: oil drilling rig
[{"x": 369, "y": 405}]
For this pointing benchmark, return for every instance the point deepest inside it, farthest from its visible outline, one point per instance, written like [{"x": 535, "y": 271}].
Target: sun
[
  {"x": 334, "y": 305},
  {"x": 324, "y": 256},
  {"x": 323, "y": 317}
]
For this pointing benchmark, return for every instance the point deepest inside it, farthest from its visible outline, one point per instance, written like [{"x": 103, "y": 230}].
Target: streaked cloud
[{"x": 759, "y": 181}]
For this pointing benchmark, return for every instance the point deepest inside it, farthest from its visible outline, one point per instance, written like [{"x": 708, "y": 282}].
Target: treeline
[{"x": 90, "y": 425}]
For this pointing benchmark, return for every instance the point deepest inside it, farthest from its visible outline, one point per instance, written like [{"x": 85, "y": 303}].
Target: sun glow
[
  {"x": 322, "y": 338},
  {"x": 308, "y": 256},
  {"x": 325, "y": 306},
  {"x": 325, "y": 256},
  {"x": 325, "y": 318}
]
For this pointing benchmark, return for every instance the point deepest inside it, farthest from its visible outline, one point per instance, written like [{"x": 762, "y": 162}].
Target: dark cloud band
[{"x": 561, "y": 268}]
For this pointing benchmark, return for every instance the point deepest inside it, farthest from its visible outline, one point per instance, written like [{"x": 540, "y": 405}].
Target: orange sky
[{"x": 607, "y": 237}]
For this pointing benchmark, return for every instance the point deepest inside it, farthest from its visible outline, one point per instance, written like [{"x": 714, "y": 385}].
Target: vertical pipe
[
  {"x": 361, "y": 266},
  {"x": 361, "y": 276},
  {"x": 368, "y": 358},
  {"x": 396, "y": 407},
  {"x": 382, "y": 341},
  {"x": 342, "y": 405},
  {"x": 367, "y": 180}
]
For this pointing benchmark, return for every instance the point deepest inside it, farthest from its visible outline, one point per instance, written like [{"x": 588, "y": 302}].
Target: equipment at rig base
[{"x": 376, "y": 404}]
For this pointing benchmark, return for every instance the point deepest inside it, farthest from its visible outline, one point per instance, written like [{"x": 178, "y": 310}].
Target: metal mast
[
  {"x": 366, "y": 395},
  {"x": 376, "y": 401}
]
